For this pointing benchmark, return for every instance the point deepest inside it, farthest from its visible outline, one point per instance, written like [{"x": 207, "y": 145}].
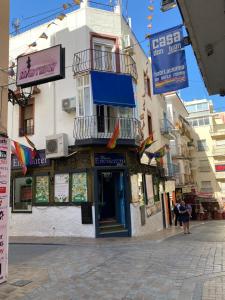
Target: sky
[{"x": 138, "y": 11}]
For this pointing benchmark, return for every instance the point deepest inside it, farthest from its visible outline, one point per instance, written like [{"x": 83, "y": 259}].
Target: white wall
[
  {"x": 152, "y": 225},
  {"x": 50, "y": 221}
]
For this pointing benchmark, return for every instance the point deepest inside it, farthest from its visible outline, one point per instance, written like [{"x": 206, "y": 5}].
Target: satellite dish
[{"x": 16, "y": 25}]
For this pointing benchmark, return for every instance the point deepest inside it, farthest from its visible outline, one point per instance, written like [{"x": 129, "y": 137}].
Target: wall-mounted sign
[
  {"x": 5, "y": 147},
  {"x": 41, "y": 66},
  {"x": 220, "y": 168},
  {"x": 39, "y": 161},
  {"x": 109, "y": 160},
  {"x": 169, "y": 69}
]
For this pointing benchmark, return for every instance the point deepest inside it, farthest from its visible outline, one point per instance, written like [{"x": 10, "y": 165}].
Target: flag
[
  {"x": 112, "y": 142},
  {"x": 32, "y": 145},
  {"x": 24, "y": 154},
  {"x": 145, "y": 144}
]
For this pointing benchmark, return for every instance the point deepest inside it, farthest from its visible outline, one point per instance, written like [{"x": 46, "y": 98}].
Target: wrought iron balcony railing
[
  {"x": 29, "y": 130},
  {"x": 167, "y": 128},
  {"x": 105, "y": 61},
  {"x": 98, "y": 127}
]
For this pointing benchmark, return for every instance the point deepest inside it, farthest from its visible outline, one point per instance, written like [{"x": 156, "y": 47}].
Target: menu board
[
  {"x": 5, "y": 162},
  {"x": 79, "y": 187},
  {"x": 62, "y": 188}
]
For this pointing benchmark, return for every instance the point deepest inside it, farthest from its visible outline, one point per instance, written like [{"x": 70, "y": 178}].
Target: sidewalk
[{"x": 157, "y": 236}]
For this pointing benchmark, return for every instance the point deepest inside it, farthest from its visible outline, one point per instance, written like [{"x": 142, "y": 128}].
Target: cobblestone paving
[{"x": 179, "y": 267}]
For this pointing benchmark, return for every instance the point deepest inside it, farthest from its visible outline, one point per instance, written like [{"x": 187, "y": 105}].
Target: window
[
  {"x": 42, "y": 189},
  {"x": 147, "y": 85},
  {"x": 220, "y": 142},
  {"x": 204, "y": 121},
  {"x": 150, "y": 131},
  {"x": 191, "y": 108},
  {"x": 197, "y": 107},
  {"x": 22, "y": 194},
  {"x": 103, "y": 57},
  {"x": 83, "y": 96},
  {"x": 206, "y": 187},
  {"x": 202, "y": 146},
  {"x": 27, "y": 119}
]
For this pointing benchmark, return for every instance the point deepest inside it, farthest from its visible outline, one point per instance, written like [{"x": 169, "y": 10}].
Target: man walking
[{"x": 177, "y": 214}]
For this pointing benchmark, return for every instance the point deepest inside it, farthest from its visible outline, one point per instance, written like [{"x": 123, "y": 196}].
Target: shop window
[
  {"x": 27, "y": 119},
  {"x": 22, "y": 194},
  {"x": 79, "y": 187},
  {"x": 156, "y": 189},
  {"x": 61, "y": 192},
  {"x": 42, "y": 189}
]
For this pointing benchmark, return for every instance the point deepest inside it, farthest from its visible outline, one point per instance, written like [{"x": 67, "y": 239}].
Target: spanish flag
[
  {"x": 145, "y": 144},
  {"x": 112, "y": 142}
]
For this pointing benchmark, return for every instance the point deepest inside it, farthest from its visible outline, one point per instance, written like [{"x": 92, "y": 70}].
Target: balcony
[
  {"x": 98, "y": 130},
  {"x": 217, "y": 130},
  {"x": 29, "y": 130},
  {"x": 219, "y": 150},
  {"x": 205, "y": 168},
  {"x": 167, "y": 129},
  {"x": 103, "y": 61},
  {"x": 220, "y": 175},
  {"x": 171, "y": 170},
  {"x": 179, "y": 152}
]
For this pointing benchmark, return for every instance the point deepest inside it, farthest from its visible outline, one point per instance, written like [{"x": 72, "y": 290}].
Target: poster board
[
  {"x": 61, "y": 188},
  {"x": 79, "y": 187},
  {"x": 5, "y": 170}
]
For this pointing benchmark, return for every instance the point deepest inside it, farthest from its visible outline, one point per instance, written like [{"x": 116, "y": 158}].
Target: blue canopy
[{"x": 112, "y": 89}]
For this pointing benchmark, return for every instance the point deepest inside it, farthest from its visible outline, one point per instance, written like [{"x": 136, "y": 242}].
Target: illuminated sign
[{"x": 41, "y": 67}]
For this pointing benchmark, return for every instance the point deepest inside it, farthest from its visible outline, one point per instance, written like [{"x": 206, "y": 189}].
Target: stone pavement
[{"x": 168, "y": 265}]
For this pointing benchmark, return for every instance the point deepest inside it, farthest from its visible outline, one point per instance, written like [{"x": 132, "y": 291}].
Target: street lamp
[{"x": 168, "y": 4}]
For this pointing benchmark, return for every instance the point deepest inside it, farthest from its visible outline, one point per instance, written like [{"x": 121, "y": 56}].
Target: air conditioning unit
[
  {"x": 56, "y": 145},
  {"x": 69, "y": 104}
]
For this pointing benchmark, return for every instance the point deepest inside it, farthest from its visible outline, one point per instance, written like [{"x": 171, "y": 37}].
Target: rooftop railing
[{"x": 104, "y": 61}]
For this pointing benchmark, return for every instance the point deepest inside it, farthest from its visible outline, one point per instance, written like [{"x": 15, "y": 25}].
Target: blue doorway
[{"x": 112, "y": 209}]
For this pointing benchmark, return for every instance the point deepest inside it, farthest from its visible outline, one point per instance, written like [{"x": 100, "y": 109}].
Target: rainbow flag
[
  {"x": 24, "y": 154},
  {"x": 145, "y": 144},
  {"x": 112, "y": 142}
]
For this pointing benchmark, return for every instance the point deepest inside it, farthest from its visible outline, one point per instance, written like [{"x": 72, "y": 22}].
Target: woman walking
[{"x": 184, "y": 217}]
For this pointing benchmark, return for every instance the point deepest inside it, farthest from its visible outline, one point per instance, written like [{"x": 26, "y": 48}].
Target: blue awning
[{"x": 112, "y": 89}]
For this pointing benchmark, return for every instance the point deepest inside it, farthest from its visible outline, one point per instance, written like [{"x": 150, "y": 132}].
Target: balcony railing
[
  {"x": 98, "y": 127},
  {"x": 218, "y": 150},
  {"x": 217, "y": 130},
  {"x": 105, "y": 61},
  {"x": 179, "y": 151},
  {"x": 167, "y": 128}
]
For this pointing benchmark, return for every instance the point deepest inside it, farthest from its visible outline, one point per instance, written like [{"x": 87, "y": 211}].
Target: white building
[{"x": 90, "y": 191}]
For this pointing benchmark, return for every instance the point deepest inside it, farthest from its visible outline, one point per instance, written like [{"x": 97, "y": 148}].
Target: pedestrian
[
  {"x": 177, "y": 214},
  {"x": 184, "y": 216}
]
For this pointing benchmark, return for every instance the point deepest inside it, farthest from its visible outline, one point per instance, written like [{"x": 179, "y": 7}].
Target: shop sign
[
  {"x": 109, "y": 160},
  {"x": 220, "y": 168},
  {"x": 169, "y": 68},
  {"x": 5, "y": 157},
  {"x": 186, "y": 189},
  {"x": 41, "y": 66},
  {"x": 39, "y": 161}
]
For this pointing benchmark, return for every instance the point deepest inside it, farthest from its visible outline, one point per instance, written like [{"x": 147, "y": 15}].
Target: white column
[{"x": 84, "y": 3}]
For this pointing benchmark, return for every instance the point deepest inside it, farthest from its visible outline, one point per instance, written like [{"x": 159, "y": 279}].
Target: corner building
[{"x": 77, "y": 186}]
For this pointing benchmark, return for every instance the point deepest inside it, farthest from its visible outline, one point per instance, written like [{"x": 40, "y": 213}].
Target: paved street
[{"x": 158, "y": 267}]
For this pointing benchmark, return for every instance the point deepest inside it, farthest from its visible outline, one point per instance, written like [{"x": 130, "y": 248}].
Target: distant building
[{"x": 208, "y": 158}]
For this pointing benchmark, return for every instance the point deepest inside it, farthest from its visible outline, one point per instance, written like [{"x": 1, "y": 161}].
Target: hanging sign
[
  {"x": 169, "y": 69},
  {"x": 5, "y": 157}
]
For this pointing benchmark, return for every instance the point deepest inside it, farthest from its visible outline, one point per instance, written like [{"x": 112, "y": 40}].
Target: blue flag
[{"x": 169, "y": 69}]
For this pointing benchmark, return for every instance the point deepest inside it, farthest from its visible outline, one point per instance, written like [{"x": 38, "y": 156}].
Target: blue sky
[{"x": 138, "y": 11}]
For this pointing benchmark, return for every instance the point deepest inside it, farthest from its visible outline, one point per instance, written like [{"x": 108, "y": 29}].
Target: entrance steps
[{"x": 112, "y": 228}]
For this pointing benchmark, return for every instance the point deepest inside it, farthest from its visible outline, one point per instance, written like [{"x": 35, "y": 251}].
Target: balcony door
[{"x": 104, "y": 57}]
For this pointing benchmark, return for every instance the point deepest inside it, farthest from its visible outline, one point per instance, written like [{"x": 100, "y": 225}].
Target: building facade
[
  {"x": 208, "y": 155},
  {"x": 77, "y": 186}
]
